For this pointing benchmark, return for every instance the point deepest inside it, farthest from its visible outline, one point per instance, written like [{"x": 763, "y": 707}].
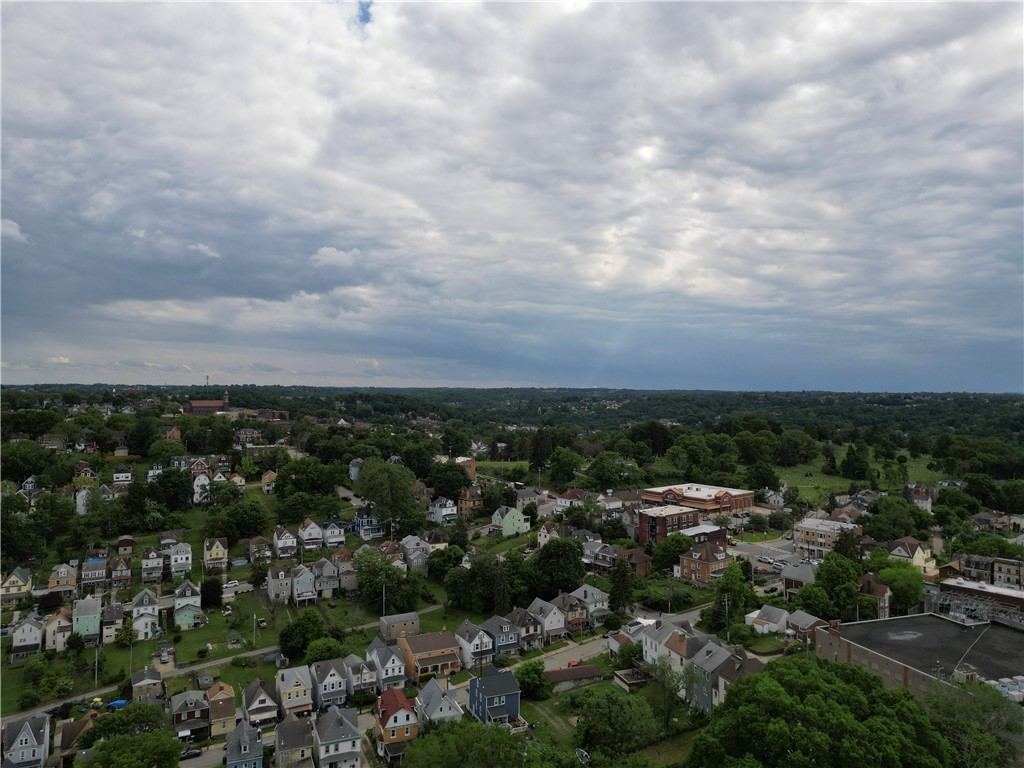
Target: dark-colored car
[
  {"x": 771, "y": 590},
  {"x": 190, "y": 753}
]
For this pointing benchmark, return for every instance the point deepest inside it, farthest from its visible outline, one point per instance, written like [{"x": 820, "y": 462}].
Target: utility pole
[
  {"x": 728, "y": 633},
  {"x": 254, "y": 631}
]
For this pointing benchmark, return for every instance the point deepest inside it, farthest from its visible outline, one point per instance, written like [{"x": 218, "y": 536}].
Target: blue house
[
  {"x": 504, "y": 634},
  {"x": 494, "y": 699},
  {"x": 367, "y": 525}
]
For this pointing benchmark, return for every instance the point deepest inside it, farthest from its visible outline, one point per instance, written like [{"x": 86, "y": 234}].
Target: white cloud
[
  {"x": 61, "y": 360},
  {"x": 205, "y": 250},
  {"x": 10, "y": 230}
]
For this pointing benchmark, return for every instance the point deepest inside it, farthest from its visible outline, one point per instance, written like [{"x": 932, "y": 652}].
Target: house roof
[
  {"x": 803, "y": 620},
  {"x": 432, "y": 641},
  {"x": 338, "y": 724},
  {"x": 711, "y": 657},
  {"x": 320, "y": 670},
  {"x": 244, "y": 734},
  {"x": 37, "y": 727},
  {"x": 186, "y": 589},
  {"x": 187, "y": 701},
  {"x": 287, "y": 677},
  {"x": 580, "y": 672},
  {"x": 145, "y": 676},
  {"x": 254, "y": 690},
  {"x": 433, "y": 696},
  {"x": 772, "y": 615},
  {"x": 221, "y": 707},
  {"x": 390, "y": 702},
  {"x": 467, "y": 630},
  {"x": 293, "y": 733},
  {"x": 497, "y": 682}
]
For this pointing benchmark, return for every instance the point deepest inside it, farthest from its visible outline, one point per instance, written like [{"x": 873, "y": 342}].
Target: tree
[
  {"x": 838, "y": 577},
  {"x": 377, "y": 578},
  {"x": 761, "y": 475},
  {"x": 907, "y": 585},
  {"x": 893, "y": 517},
  {"x": 248, "y": 469},
  {"x": 459, "y": 535},
  {"x": 323, "y": 649},
  {"x": 815, "y": 601},
  {"x": 620, "y": 597},
  {"x": 75, "y": 644},
  {"x": 734, "y": 597},
  {"x": 667, "y": 552},
  {"x": 390, "y": 488},
  {"x": 564, "y": 465},
  {"x": 133, "y": 720},
  {"x": 307, "y": 474},
  {"x": 466, "y": 743},
  {"x": 454, "y": 442},
  {"x": 805, "y": 711},
  {"x": 53, "y": 514},
  {"x": 212, "y": 593},
  {"x": 258, "y": 575},
  {"x": 557, "y": 567},
  {"x": 126, "y": 635},
  {"x": 847, "y": 544},
  {"x": 613, "y": 723},
  {"x": 156, "y": 749},
  {"x": 983, "y": 728},
  {"x": 449, "y": 479},
  {"x": 173, "y": 489},
  {"x": 530, "y": 676},
  {"x": 298, "y": 634},
  {"x": 669, "y": 683},
  {"x": 441, "y": 561}
]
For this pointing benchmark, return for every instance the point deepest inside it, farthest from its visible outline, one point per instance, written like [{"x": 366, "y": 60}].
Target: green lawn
[
  {"x": 673, "y": 751},
  {"x": 492, "y": 467},
  {"x": 496, "y": 545},
  {"x": 434, "y": 621},
  {"x": 768, "y": 644},
  {"x": 815, "y": 486}
]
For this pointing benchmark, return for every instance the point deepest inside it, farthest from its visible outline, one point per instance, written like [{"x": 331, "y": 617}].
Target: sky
[{"x": 646, "y": 195}]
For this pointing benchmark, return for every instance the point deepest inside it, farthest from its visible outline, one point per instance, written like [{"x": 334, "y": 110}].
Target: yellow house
[
  {"x": 222, "y": 709},
  {"x": 910, "y": 550},
  {"x": 15, "y": 586},
  {"x": 215, "y": 554}
]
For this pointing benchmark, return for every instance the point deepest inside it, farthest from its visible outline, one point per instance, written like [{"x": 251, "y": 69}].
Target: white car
[
  {"x": 766, "y": 559},
  {"x": 231, "y": 583}
]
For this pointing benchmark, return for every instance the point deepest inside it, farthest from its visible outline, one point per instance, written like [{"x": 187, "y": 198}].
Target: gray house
[
  {"x": 325, "y": 577},
  {"x": 303, "y": 585},
  {"x": 336, "y": 739},
  {"x": 330, "y": 682},
  {"x": 504, "y": 635},
  {"x": 436, "y": 704},
  {"x": 244, "y": 747},
  {"x": 416, "y": 552},
  {"x": 389, "y": 662},
  {"x": 398, "y": 625}
]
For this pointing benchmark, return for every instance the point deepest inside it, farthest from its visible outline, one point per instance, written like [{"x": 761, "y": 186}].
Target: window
[{"x": 394, "y": 732}]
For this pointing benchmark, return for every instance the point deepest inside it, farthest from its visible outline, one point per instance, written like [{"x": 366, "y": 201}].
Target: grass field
[{"x": 815, "y": 485}]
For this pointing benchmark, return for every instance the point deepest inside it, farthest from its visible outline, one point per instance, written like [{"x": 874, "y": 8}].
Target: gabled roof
[
  {"x": 186, "y": 589},
  {"x": 391, "y": 702},
  {"x": 221, "y": 707},
  {"x": 338, "y": 724},
  {"x": 293, "y": 733},
  {"x": 772, "y": 615},
  {"x": 497, "y": 682},
  {"x": 247, "y": 735},
  {"x": 145, "y": 676},
  {"x": 802, "y": 619},
  {"x": 36, "y": 728},
  {"x": 711, "y": 657},
  {"x": 321, "y": 670},
  {"x": 432, "y": 641},
  {"x": 187, "y": 701},
  {"x": 254, "y": 690},
  {"x": 432, "y": 696},
  {"x": 288, "y": 677},
  {"x": 468, "y": 630}
]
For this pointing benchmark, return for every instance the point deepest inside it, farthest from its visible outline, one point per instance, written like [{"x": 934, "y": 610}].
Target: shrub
[
  {"x": 176, "y": 639},
  {"x": 28, "y": 699},
  {"x": 613, "y": 621},
  {"x": 246, "y": 662},
  {"x": 202, "y": 653}
]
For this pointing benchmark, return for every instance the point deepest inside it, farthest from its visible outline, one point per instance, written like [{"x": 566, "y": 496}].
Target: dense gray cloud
[{"x": 758, "y": 196}]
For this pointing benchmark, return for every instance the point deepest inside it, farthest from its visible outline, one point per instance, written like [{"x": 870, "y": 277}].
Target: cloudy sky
[{"x": 664, "y": 195}]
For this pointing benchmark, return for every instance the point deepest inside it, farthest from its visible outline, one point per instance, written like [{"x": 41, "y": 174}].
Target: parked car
[
  {"x": 766, "y": 559},
  {"x": 771, "y": 590},
  {"x": 192, "y": 752},
  {"x": 573, "y": 663},
  {"x": 165, "y": 657},
  {"x": 231, "y": 584},
  {"x": 779, "y": 566},
  {"x": 262, "y": 623},
  {"x": 789, "y": 537}
]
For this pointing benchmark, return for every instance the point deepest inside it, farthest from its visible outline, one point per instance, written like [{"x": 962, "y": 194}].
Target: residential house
[
  {"x": 442, "y": 511},
  {"x": 991, "y": 522},
  {"x": 435, "y": 653},
  {"x": 415, "y": 551},
  {"x": 814, "y": 538},
  {"x": 389, "y": 662},
  {"x": 659, "y": 638},
  {"x": 155, "y": 470},
  {"x": 121, "y": 572},
  {"x": 94, "y": 574},
  {"x": 295, "y": 691},
  {"x": 436, "y": 539},
  {"x": 346, "y": 570},
  {"x": 802, "y": 625},
  {"x": 395, "y": 723},
  {"x": 325, "y": 577},
  {"x": 732, "y": 669},
  {"x": 122, "y": 475},
  {"x": 188, "y": 606},
  {"x": 111, "y": 620},
  {"x": 398, "y": 625},
  {"x": 147, "y": 684},
  {"x": 877, "y": 590},
  {"x": 494, "y": 699},
  {"x": 337, "y": 740},
  {"x": 152, "y": 565},
  {"x": 529, "y": 628},
  {"x": 362, "y": 676},
  {"x": 294, "y": 743},
  {"x": 27, "y": 637},
  {"x": 795, "y": 576},
  {"x": 596, "y": 603},
  {"x": 910, "y": 550},
  {"x": 577, "y": 619},
  {"x": 471, "y": 501},
  {"x": 279, "y": 583},
  {"x": 58, "y": 627},
  {"x": 311, "y": 534},
  {"x": 146, "y": 615},
  {"x": 221, "y": 698},
  {"x": 703, "y": 563},
  {"x": 551, "y": 619},
  {"x": 215, "y": 555},
  {"x": 367, "y": 525},
  {"x": 200, "y": 488},
  {"x": 190, "y": 715},
  {"x": 335, "y": 531},
  {"x": 1008, "y": 572},
  {"x": 267, "y": 481},
  {"x": 86, "y": 619},
  {"x": 639, "y": 561},
  {"x": 525, "y": 496},
  {"x": 436, "y": 704},
  {"x": 477, "y": 646},
  {"x": 16, "y": 586},
  {"x": 181, "y": 559},
  {"x": 509, "y": 521},
  {"x": 285, "y": 542},
  {"x": 259, "y": 704},
  {"x": 330, "y": 682},
  {"x": 244, "y": 747},
  {"x": 260, "y": 550},
  {"x": 26, "y": 742},
  {"x": 504, "y": 635},
  {"x": 303, "y": 586},
  {"x": 767, "y": 620},
  {"x": 977, "y": 568},
  {"x": 573, "y": 497}
]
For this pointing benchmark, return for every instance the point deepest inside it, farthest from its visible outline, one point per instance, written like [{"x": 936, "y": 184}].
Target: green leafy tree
[
  {"x": 982, "y": 727},
  {"x": 441, "y": 561},
  {"x": 466, "y": 743},
  {"x": 893, "y": 517},
  {"x": 815, "y": 601},
  {"x": 907, "y": 585},
  {"x": 448, "y": 479},
  {"x": 614, "y": 723},
  {"x": 307, "y": 474},
  {"x": 734, "y": 597},
  {"x": 804, "y": 711},
  {"x": 211, "y": 593},
  {"x": 459, "y": 535},
  {"x": 672, "y": 687},
  {"x": 564, "y": 464},
  {"x": 390, "y": 488},
  {"x": 377, "y": 578},
  {"x": 838, "y": 577},
  {"x": 156, "y": 749},
  {"x": 620, "y": 597},
  {"x": 298, "y": 634},
  {"x": 556, "y": 567},
  {"x": 126, "y": 635},
  {"x": 323, "y": 649},
  {"x": 760, "y": 474},
  {"x": 847, "y": 544},
  {"x": 667, "y": 552},
  {"x": 530, "y": 675},
  {"x": 132, "y": 721}
]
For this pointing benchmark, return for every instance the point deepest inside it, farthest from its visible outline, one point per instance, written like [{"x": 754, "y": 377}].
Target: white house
[
  {"x": 477, "y": 646},
  {"x": 442, "y": 511},
  {"x": 311, "y": 534},
  {"x": 181, "y": 559}
]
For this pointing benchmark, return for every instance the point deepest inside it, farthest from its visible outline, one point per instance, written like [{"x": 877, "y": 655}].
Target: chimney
[{"x": 657, "y": 624}]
